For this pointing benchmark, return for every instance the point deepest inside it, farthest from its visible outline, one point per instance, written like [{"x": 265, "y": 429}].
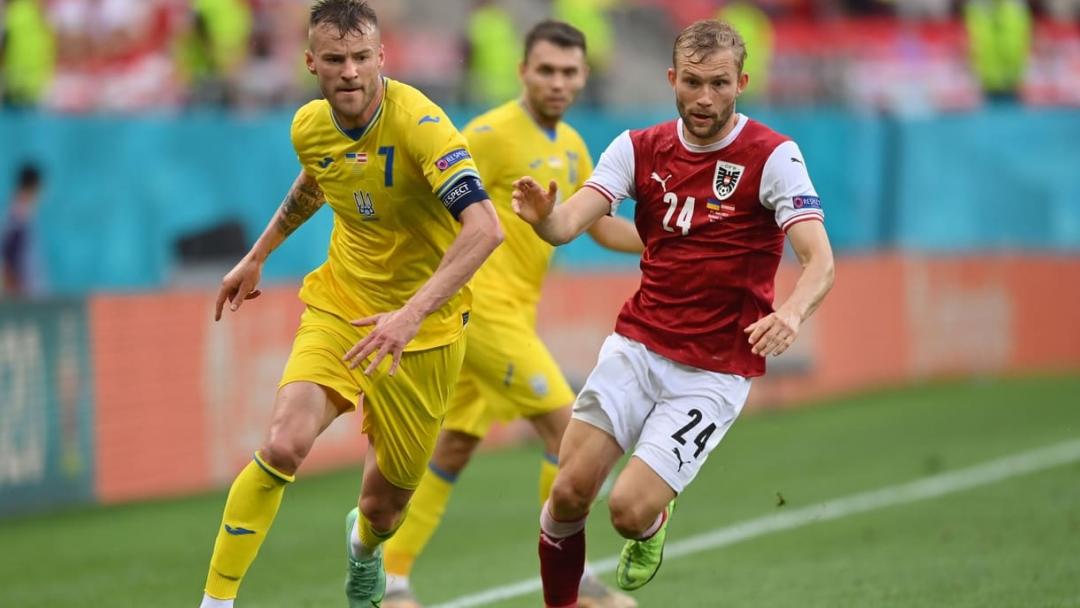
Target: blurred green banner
[{"x": 46, "y": 411}]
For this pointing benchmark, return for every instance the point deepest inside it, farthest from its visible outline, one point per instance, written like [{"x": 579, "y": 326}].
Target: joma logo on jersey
[
  {"x": 726, "y": 179},
  {"x": 365, "y": 205}
]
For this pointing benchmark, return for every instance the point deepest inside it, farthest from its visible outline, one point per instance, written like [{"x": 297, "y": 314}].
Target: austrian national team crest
[{"x": 726, "y": 179}]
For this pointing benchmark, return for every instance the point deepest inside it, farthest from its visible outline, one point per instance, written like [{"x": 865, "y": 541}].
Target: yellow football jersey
[
  {"x": 507, "y": 144},
  {"x": 385, "y": 182}
]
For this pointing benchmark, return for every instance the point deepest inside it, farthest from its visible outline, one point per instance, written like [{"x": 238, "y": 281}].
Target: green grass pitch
[{"x": 1014, "y": 542}]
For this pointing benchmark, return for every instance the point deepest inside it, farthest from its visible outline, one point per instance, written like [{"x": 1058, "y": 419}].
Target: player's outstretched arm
[
  {"x": 774, "y": 333},
  {"x": 617, "y": 234},
  {"x": 302, "y": 201},
  {"x": 557, "y": 224},
  {"x": 480, "y": 234}
]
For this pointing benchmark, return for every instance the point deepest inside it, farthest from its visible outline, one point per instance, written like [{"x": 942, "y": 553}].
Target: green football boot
[
  {"x": 641, "y": 559},
  {"x": 365, "y": 582}
]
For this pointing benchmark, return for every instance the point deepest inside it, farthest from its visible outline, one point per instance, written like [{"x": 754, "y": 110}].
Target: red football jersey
[{"x": 712, "y": 219}]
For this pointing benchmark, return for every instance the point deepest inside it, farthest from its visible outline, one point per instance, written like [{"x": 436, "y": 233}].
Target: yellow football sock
[
  {"x": 372, "y": 538},
  {"x": 425, "y": 512},
  {"x": 549, "y": 467},
  {"x": 253, "y": 502}
]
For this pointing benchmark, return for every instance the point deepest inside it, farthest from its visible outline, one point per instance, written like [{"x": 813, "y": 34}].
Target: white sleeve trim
[
  {"x": 614, "y": 174},
  {"x": 786, "y": 187}
]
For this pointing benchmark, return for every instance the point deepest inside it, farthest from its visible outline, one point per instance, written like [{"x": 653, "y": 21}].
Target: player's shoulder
[
  {"x": 408, "y": 106},
  {"x": 759, "y": 134},
  {"x": 496, "y": 122},
  {"x": 567, "y": 133},
  {"x": 668, "y": 128},
  {"x": 656, "y": 137},
  {"x": 660, "y": 132},
  {"x": 310, "y": 126},
  {"x": 308, "y": 115}
]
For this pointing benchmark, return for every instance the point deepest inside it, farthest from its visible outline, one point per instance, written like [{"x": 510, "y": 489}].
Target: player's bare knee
[
  {"x": 453, "y": 451},
  {"x": 551, "y": 426},
  {"x": 569, "y": 500},
  {"x": 380, "y": 511},
  {"x": 284, "y": 453},
  {"x": 630, "y": 518}
]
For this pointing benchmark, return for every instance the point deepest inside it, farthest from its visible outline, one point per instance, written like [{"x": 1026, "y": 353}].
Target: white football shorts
[{"x": 670, "y": 415}]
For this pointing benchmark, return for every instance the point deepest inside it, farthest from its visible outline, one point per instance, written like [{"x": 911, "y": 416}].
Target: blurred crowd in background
[
  {"x": 899, "y": 89},
  {"x": 892, "y": 55}
]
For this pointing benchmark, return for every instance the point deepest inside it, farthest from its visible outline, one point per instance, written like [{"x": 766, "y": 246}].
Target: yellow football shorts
[
  {"x": 508, "y": 373},
  {"x": 402, "y": 413}
]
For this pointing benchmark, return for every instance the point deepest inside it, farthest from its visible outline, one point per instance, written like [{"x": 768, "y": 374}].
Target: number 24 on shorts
[{"x": 702, "y": 438}]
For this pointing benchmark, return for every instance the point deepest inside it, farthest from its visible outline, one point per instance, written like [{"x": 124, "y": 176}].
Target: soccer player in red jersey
[{"x": 716, "y": 194}]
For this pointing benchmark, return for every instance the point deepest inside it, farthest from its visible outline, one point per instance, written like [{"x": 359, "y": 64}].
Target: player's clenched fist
[{"x": 530, "y": 201}]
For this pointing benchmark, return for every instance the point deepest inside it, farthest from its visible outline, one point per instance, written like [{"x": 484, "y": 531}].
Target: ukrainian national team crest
[
  {"x": 726, "y": 179},
  {"x": 365, "y": 205}
]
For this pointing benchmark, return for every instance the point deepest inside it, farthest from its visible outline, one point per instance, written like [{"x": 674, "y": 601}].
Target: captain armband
[{"x": 464, "y": 192}]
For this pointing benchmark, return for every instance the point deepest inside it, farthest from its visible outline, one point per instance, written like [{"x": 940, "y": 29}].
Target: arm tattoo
[{"x": 302, "y": 201}]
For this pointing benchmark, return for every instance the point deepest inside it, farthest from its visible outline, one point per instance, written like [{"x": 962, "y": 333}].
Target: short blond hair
[{"x": 702, "y": 38}]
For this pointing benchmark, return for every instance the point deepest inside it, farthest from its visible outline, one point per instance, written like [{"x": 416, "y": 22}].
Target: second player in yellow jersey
[
  {"x": 508, "y": 143},
  {"x": 508, "y": 372}
]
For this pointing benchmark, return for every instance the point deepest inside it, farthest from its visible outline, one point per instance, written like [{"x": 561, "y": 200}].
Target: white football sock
[
  {"x": 359, "y": 549},
  {"x": 397, "y": 584},
  {"x": 213, "y": 602}
]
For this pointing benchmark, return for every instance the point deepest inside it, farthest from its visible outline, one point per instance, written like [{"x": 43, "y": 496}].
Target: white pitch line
[{"x": 931, "y": 487}]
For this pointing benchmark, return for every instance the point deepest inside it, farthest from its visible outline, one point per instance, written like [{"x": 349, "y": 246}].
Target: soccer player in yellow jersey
[
  {"x": 385, "y": 313},
  {"x": 508, "y": 372}
]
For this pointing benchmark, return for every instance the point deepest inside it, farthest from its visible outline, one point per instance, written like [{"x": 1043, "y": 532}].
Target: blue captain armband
[{"x": 464, "y": 192}]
